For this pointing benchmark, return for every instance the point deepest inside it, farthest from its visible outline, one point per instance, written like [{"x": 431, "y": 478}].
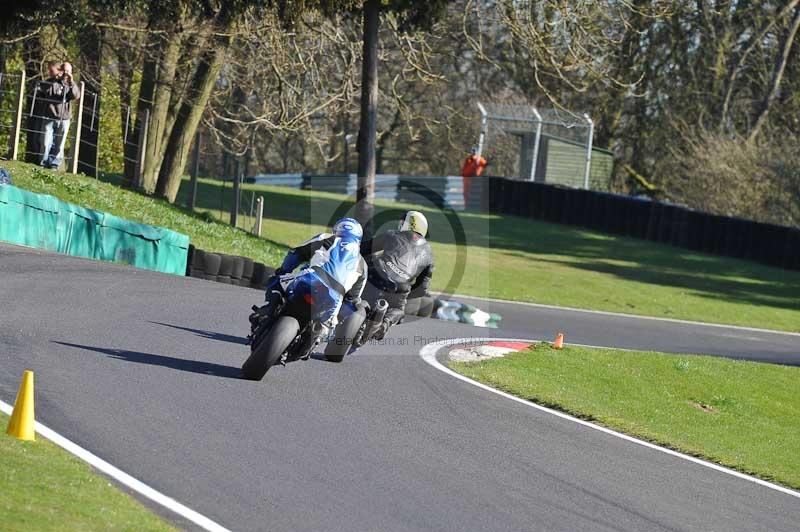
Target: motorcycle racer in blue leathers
[{"x": 334, "y": 267}]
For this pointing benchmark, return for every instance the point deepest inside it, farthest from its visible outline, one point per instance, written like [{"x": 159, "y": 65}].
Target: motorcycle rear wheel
[
  {"x": 342, "y": 341},
  {"x": 268, "y": 352}
]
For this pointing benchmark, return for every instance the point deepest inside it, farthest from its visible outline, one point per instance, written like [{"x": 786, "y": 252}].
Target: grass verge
[
  {"x": 42, "y": 487},
  {"x": 741, "y": 414},
  {"x": 519, "y": 259},
  {"x": 204, "y": 231},
  {"x": 502, "y": 256}
]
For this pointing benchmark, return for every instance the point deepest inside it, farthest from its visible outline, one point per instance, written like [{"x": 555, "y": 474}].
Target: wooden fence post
[
  {"x": 195, "y": 170},
  {"x": 13, "y": 139},
  {"x": 259, "y": 215},
  {"x": 76, "y": 145},
  {"x": 141, "y": 149},
  {"x": 237, "y": 194}
]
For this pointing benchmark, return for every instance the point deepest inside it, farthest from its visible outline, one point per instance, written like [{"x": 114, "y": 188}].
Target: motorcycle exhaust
[{"x": 374, "y": 321}]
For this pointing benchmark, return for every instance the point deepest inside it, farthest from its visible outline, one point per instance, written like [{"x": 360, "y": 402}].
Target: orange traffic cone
[
  {"x": 559, "y": 343},
  {"x": 22, "y": 418}
]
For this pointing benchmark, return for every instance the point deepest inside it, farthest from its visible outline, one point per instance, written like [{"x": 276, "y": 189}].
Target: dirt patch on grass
[{"x": 704, "y": 407}]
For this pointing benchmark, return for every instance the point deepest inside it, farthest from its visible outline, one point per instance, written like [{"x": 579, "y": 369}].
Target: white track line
[
  {"x": 122, "y": 477},
  {"x": 623, "y": 315},
  {"x": 428, "y": 354}
]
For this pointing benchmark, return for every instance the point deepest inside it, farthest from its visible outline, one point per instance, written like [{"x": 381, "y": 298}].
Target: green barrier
[{"x": 45, "y": 222}]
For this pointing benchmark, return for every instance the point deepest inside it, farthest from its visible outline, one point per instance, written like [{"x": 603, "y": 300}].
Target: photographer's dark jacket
[{"x": 56, "y": 96}]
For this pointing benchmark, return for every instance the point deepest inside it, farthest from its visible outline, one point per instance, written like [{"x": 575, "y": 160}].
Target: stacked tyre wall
[
  {"x": 628, "y": 216},
  {"x": 243, "y": 271},
  {"x": 227, "y": 269}
]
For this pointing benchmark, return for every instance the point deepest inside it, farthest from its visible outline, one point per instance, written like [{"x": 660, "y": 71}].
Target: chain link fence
[
  {"x": 49, "y": 123},
  {"x": 37, "y": 114},
  {"x": 543, "y": 145},
  {"x": 9, "y": 90}
]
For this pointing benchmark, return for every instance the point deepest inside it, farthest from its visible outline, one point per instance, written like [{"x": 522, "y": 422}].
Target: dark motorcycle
[{"x": 291, "y": 325}]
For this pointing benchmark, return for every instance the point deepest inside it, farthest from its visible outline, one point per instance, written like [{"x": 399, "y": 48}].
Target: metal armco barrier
[
  {"x": 628, "y": 216},
  {"x": 440, "y": 191}
]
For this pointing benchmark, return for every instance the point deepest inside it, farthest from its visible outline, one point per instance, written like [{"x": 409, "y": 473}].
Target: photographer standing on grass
[{"x": 57, "y": 94}]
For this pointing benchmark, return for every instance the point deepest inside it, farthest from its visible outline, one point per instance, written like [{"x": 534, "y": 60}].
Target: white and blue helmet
[{"x": 348, "y": 228}]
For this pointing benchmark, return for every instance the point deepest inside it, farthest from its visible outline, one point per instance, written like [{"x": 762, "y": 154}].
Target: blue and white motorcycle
[{"x": 306, "y": 308}]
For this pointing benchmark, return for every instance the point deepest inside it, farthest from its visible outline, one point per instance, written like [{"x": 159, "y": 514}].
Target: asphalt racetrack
[{"x": 142, "y": 369}]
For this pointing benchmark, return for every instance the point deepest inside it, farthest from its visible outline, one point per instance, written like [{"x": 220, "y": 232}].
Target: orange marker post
[{"x": 559, "y": 342}]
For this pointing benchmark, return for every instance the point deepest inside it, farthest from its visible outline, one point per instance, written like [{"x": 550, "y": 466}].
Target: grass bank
[
  {"x": 740, "y": 414},
  {"x": 519, "y": 259},
  {"x": 477, "y": 254},
  {"x": 43, "y": 488},
  {"x": 204, "y": 231}
]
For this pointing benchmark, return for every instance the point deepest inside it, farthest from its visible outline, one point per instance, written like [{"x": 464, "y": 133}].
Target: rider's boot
[
  {"x": 382, "y": 329},
  {"x": 257, "y": 315},
  {"x": 273, "y": 298}
]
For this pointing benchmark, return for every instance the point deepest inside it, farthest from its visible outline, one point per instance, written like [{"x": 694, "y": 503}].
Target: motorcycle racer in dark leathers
[{"x": 398, "y": 263}]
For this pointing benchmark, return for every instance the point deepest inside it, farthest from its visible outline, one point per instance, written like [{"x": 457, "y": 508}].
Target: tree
[
  {"x": 200, "y": 85},
  {"x": 781, "y": 61},
  {"x": 165, "y": 37},
  {"x": 412, "y": 14},
  {"x": 367, "y": 131},
  {"x": 190, "y": 110}
]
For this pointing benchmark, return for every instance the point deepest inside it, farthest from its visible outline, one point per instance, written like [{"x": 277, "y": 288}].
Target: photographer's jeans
[{"x": 55, "y": 137}]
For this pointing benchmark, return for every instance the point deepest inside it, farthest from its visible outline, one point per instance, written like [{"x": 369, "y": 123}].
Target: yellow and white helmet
[{"x": 415, "y": 221}]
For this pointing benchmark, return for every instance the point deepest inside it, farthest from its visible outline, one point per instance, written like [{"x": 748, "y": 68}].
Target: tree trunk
[
  {"x": 189, "y": 114},
  {"x": 346, "y": 146},
  {"x": 3, "y": 55},
  {"x": 193, "y": 42},
  {"x": 285, "y": 153},
  {"x": 384, "y": 139},
  {"x": 626, "y": 63},
  {"x": 777, "y": 74},
  {"x": 145, "y": 102},
  {"x": 126, "y": 117},
  {"x": 90, "y": 42},
  {"x": 365, "y": 195},
  {"x": 162, "y": 93}
]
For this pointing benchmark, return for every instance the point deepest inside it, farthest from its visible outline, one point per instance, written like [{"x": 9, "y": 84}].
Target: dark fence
[{"x": 628, "y": 216}]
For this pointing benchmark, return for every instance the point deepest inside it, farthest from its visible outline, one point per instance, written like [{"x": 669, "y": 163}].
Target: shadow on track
[
  {"x": 321, "y": 358},
  {"x": 192, "y": 366},
  {"x": 206, "y": 334}
]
